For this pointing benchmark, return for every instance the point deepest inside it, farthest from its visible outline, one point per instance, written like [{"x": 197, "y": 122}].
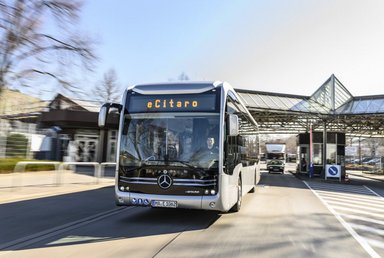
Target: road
[{"x": 285, "y": 217}]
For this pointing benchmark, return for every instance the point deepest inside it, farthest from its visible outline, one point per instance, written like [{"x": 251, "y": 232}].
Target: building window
[
  {"x": 331, "y": 153},
  {"x": 112, "y": 141},
  {"x": 317, "y": 154}
]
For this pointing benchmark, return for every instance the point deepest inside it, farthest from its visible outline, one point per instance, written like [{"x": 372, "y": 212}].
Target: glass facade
[
  {"x": 331, "y": 153},
  {"x": 331, "y": 96}
]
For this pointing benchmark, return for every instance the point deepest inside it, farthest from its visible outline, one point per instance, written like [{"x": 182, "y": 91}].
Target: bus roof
[{"x": 175, "y": 87}]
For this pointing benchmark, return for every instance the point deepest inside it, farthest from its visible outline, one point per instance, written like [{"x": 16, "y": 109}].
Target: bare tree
[
  {"x": 38, "y": 41},
  {"x": 108, "y": 90},
  {"x": 183, "y": 77}
]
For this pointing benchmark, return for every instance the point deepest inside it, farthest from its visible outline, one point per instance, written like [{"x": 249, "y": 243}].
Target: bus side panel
[
  {"x": 228, "y": 192},
  {"x": 229, "y": 187},
  {"x": 248, "y": 177}
]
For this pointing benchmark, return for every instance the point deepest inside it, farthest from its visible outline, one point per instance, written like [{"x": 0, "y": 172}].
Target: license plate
[{"x": 165, "y": 204}]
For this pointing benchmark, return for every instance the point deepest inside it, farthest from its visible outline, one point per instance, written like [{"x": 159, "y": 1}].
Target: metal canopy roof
[{"x": 331, "y": 106}]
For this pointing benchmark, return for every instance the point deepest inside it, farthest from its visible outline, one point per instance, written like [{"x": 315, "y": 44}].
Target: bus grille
[{"x": 176, "y": 181}]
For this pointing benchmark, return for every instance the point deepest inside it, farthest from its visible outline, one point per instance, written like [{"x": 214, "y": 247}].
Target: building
[{"x": 73, "y": 125}]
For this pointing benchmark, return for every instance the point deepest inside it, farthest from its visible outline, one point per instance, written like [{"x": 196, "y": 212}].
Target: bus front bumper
[{"x": 206, "y": 202}]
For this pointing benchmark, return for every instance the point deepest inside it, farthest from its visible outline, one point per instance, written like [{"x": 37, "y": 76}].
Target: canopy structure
[{"x": 331, "y": 107}]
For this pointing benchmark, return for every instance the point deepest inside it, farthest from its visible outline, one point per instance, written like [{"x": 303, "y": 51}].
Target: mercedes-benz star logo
[{"x": 164, "y": 181}]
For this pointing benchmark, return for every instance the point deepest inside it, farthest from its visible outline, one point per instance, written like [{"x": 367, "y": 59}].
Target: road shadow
[
  {"x": 32, "y": 217},
  {"x": 21, "y": 218}
]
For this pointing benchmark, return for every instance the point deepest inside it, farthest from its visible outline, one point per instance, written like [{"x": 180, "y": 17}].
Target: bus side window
[{"x": 231, "y": 158}]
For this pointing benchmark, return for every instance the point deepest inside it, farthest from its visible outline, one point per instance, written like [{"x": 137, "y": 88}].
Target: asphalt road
[{"x": 285, "y": 217}]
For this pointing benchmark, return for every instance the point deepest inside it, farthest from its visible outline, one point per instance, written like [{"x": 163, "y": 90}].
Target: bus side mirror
[
  {"x": 233, "y": 125},
  {"x": 103, "y": 113}
]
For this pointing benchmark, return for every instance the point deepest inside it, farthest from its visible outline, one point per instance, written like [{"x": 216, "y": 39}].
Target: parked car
[
  {"x": 372, "y": 161},
  {"x": 357, "y": 161}
]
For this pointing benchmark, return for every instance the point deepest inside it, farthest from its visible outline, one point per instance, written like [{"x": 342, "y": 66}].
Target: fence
[
  {"x": 367, "y": 164},
  {"x": 98, "y": 171}
]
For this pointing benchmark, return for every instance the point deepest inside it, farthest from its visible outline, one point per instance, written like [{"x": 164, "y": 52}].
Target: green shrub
[{"x": 17, "y": 145}]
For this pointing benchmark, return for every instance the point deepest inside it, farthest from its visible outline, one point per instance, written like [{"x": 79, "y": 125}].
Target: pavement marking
[
  {"x": 359, "y": 212},
  {"x": 376, "y": 231},
  {"x": 361, "y": 240},
  {"x": 365, "y": 200},
  {"x": 367, "y": 208},
  {"x": 376, "y": 243},
  {"x": 365, "y": 219},
  {"x": 378, "y": 195}
]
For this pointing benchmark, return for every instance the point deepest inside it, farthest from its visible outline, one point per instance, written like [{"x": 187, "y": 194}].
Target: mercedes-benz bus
[{"x": 184, "y": 145}]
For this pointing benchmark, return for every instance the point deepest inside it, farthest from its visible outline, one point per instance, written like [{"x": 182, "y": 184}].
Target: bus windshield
[{"x": 179, "y": 139}]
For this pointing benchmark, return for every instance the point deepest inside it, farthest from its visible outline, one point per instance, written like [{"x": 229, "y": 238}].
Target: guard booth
[{"x": 330, "y": 154}]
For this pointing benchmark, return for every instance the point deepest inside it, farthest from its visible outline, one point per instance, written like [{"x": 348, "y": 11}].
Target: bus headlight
[
  {"x": 122, "y": 188},
  {"x": 213, "y": 192}
]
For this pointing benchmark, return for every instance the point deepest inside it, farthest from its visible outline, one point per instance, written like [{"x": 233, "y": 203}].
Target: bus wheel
[{"x": 237, "y": 206}]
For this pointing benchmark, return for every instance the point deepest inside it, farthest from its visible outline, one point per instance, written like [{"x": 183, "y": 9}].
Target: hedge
[{"x": 8, "y": 165}]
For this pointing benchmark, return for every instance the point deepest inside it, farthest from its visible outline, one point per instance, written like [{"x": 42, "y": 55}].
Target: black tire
[{"x": 237, "y": 205}]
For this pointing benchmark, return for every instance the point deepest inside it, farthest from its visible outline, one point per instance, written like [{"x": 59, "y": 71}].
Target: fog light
[
  {"x": 212, "y": 204},
  {"x": 120, "y": 200},
  {"x": 213, "y": 192}
]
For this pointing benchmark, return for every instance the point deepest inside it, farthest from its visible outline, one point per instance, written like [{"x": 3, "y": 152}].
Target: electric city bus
[{"x": 184, "y": 145}]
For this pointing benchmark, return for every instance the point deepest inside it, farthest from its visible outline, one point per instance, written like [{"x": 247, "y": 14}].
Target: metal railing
[
  {"x": 98, "y": 172},
  {"x": 21, "y": 165}
]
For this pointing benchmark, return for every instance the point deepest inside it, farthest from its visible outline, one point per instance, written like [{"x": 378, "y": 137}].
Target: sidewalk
[
  {"x": 352, "y": 175},
  {"x": 29, "y": 185},
  {"x": 367, "y": 175}
]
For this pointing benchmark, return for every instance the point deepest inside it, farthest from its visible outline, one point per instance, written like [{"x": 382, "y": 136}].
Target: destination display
[{"x": 171, "y": 103}]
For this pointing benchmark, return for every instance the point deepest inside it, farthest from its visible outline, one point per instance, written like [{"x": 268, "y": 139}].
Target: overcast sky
[{"x": 287, "y": 46}]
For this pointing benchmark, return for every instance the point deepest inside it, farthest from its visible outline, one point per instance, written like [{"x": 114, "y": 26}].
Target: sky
[{"x": 286, "y": 46}]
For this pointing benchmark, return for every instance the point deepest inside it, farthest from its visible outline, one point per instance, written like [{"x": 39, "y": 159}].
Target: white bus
[{"x": 181, "y": 145}]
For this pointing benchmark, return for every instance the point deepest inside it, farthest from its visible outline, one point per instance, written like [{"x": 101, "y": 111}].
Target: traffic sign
[{"x": 333, "y": 171}]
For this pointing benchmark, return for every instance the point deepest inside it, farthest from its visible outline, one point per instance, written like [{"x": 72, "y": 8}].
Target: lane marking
[{"x": 364, "y": 243}]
